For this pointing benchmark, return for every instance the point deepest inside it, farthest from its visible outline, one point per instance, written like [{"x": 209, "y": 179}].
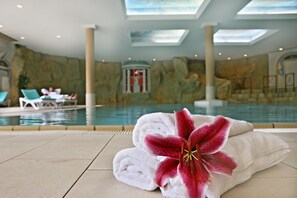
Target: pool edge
[{"x": 120, "y": 128}]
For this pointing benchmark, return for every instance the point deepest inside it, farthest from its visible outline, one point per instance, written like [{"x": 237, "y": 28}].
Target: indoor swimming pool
[{"x": 128, "y": 114}]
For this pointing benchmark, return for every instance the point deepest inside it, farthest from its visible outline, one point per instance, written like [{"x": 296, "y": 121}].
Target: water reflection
[
  {"x": 210, "y": 110},
  {"x": 13, "y": 120},
  {"x": 128, "y": 114},
  {"x": 90, "y": 116},
  {"x": 49, "y": 118}
]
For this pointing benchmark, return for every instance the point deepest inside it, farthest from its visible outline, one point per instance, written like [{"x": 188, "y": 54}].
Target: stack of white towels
[{"x": 253, "y": 151}]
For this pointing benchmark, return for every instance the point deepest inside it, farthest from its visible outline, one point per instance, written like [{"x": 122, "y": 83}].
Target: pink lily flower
[{"x": 193, "y": 154}]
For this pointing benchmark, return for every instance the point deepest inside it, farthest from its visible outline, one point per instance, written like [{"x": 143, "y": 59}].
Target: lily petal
[
  {"x": 220, "y": 163},
  {"x": 184, "y": 123},
  {"x": 167, "y": 168},
  {"x": 215, "y": 137},
  {"x": 169, "y": 146},
  {"x": 199, "y": 134},
  {"x": 195, "y": 178}
]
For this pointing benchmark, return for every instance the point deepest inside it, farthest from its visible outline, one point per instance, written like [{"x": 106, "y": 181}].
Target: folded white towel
[
  {"x": 135, "y": 168},
  {"x": 253, "y": 151},
  {"x": 164, "y": 124}
]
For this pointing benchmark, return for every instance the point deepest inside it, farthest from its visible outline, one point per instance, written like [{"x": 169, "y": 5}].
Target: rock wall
[
  {"x": 65, "y": 73},
  {"x": 17, "y": 67},
  {"x": 108, "y": 82},
  {"x": 180, "y": 80},
  {"x": 173, "y": 83},
  {"x": 236, "y": 70},
  {"x": 54, "y": 71}
]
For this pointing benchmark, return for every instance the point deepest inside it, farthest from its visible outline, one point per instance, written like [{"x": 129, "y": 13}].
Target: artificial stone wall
[
  {"x": 66, "y": 73},
  {"x": 172, "y": 82},
  {"x": 237, "y": 70},
  {"x": 49, "y": 71},
  {"x": 108, "y": 82},
  {"x": 180, "y": 80}
]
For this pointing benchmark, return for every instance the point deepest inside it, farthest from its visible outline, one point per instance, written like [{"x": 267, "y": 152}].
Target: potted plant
[{"x": 23, "y": 81}]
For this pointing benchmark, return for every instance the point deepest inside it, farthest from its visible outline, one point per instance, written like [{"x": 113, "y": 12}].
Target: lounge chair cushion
[
  {"x": 3, "y": 95},
  {"x": 30, "y": 94}
]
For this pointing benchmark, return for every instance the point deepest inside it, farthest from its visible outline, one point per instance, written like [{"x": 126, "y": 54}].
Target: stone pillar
[
  {"x": 209, "y": 62},
  {"x": 144, "y": 81},
  {"x": 124, "y": 81},
  {"x": 149, "y": 80},
  {"x": 90, "y": 88},
  {"x": 136, "y": 86},
  {"x": 128, "y": 82}
]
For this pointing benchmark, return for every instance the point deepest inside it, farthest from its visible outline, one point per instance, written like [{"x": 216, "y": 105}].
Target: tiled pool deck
[{"x": 78, "y": 163}]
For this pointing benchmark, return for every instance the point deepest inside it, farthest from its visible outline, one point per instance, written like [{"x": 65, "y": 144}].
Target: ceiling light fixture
[
  {"x": 19, "y": 6},
  {"x": 280, "y": 49},
  {"x": 220, "y": 53},
  {"x": 154, "y": 59},
  {"x": 22, "y": 37},
  {"x": 58, "y": 36},
  {"x": 229, "y": 58},
  {"x": 1, "y": 26},
  {"x": 129, "y": 58},
  {"x": 196, "y": 55},
  {"x": 245, "y": 55}
]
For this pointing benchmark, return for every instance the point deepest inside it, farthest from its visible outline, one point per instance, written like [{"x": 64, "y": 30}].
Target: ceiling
[{"x": 41, "y": 21}]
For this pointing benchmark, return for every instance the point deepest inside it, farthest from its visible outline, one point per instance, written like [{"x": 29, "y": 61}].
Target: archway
[{"x": 5, "y": 76}]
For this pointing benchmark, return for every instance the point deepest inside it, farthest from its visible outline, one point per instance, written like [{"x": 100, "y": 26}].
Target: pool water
[{"x": 128, "y": 114}]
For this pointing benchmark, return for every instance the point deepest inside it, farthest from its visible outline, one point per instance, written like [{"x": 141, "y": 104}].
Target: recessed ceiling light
[
  {"x": 1, "y": 26},
  {"x": 154, "y": 59},
  {"x": 220, "y": 54},
  {"x": 103, "y": 60},
  {"x": 19, "y": 6},
  {"x": 229, "y": 58},
  {"x": 58, "y": 36},
  {"x": 280, "y": 49},
  {"x": 196, "y": 55},
  {"x": 129, "y": 58},
  {"x": 245, "y": 55},
  {"x": 22, "y": 37}
]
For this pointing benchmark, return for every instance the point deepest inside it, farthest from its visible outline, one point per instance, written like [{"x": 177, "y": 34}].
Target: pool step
[{"x": 258, "y": 96}]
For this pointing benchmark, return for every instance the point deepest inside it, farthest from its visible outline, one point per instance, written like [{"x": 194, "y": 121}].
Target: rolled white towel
[
  {"x": 135, "y": 168},
  {"x": 44, "y": 91},
  {"x": 253, "y": 152},
  {"x": 164, "y": 124}
]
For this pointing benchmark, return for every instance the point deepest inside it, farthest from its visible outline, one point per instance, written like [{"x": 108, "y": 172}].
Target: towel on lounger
[
  {"x": 253, "y": 151},
  {"x": 164, "y": 124},
  {"x": 135, "y": 168}
]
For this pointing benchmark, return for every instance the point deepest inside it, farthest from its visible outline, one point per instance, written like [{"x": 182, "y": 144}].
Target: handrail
[
  {"x": 269, "y": 82},
  {"x": 289, "y": 81}
]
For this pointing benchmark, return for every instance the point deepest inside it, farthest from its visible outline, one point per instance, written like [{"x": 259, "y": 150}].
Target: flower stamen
[{"x": 191, "y": 155}]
